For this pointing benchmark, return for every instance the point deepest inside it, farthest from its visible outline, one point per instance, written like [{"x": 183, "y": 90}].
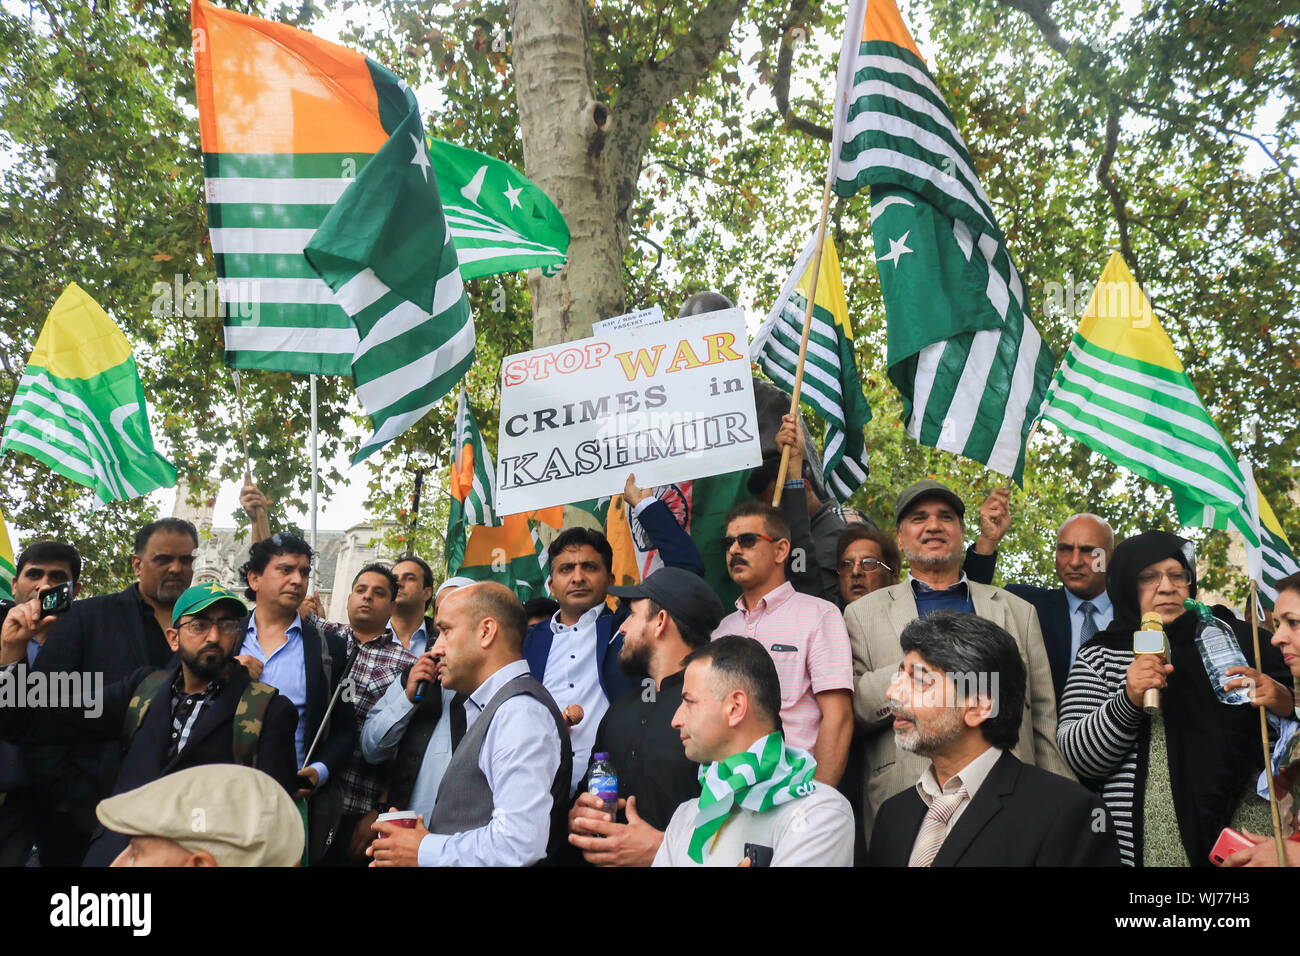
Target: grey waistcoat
[{"x": 464, "y": 799}]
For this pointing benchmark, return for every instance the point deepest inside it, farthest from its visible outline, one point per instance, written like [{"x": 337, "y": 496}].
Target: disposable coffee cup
[{"x": 401, "y": 818}]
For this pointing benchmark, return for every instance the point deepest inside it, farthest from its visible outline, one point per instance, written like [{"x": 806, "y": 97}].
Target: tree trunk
[
  {"x": 586, "y": 157},
  {"x": 564, "y": 132}
]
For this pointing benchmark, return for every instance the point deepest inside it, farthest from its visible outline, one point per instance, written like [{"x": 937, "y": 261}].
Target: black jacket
[
  {"x": 112, "y": 635},
  {"x": 1020, "y": 816},
  {"x": 335, "y": 748},
  {"x": 210, "y": 741},
  {"x": 1054, "y": 618}
]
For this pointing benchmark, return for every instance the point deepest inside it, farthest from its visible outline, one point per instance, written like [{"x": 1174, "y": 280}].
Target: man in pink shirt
[{"x": 805, "y": 636}]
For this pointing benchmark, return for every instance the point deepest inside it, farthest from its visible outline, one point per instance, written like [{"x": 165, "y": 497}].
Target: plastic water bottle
[
  {"x": 603, "y": 782},
  {"x": 1219, "y": 651}
]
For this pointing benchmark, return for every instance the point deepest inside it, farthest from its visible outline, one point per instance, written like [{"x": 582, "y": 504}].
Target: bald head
[
  {"x": 1083, "y": 549},
  {"x": 702, "y": 302},
  {"x": 488, "y": 600}
]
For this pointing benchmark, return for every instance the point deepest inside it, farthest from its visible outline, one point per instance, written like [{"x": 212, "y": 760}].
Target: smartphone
[
  {"x": 1228, "y": 843},
  {"x": 57, "y": 599},
  {"x": 758, "y": 855}
]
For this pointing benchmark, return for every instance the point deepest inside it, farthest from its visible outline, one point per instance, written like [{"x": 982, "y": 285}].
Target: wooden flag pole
[
  {"x": 803, "y": 340},
  {"x": 1263, "y": 733}
]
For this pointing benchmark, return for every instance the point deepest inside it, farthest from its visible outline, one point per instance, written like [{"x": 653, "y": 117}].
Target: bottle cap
[
  {"x": 600, "y": 756},
  {"x": 1202, "y": 610}
]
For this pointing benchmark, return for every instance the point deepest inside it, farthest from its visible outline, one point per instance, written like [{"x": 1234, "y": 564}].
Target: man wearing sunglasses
[
  {"x": 805, "y": 636},
  {"x": 199, "y": 710}
]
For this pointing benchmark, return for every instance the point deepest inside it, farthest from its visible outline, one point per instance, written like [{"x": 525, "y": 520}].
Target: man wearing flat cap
[
  {"x": 672, "y": 612},
  {"x": 201, "y": 709},
  {"x": 206, "y": 816},
  {"x": 930, "y": 529}
]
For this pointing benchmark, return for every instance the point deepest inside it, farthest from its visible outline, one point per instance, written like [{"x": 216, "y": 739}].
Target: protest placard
[
  {"x": 670, "y": 401},
  {"x": 632, "y": 320}
]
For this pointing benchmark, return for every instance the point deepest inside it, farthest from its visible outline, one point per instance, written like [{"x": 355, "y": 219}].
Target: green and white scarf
[{"x": 766, "y": 775}]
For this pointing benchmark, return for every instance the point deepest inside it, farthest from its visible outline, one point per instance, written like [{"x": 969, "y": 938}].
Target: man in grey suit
[{"x": 930, "y": 531}]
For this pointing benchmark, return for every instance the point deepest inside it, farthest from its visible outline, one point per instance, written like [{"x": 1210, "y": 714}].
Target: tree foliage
[{"x": 1091, "y": 130}]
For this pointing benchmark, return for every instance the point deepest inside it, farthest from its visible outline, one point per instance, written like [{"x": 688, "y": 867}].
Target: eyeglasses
[
  {"x": 1179, "y": 578},
  {"x": 227, "y": 626},
  {"x": 867, "y": 565},
  {"x": 746, "y": 540}
]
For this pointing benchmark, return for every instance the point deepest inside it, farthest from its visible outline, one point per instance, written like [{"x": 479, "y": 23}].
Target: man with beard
[
  {"x": 804, "y": 635},
  {"x": 956, "y": 698},
  {"x": 202, "y": 709},
  {"x": 673, "y": 612},
  {"x": 930, "y": 532},
  {"x": 113, "y": 635}
]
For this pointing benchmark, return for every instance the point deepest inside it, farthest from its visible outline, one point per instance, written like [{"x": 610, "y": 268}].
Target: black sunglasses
[{"x": 746, "y": 540}]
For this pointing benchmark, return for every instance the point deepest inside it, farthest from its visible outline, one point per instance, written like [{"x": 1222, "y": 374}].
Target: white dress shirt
[
  {"x": 970, "y": 776},
  {"x": 1104, "y": 614},
  {"x": 519, "y": 758},
  {"x": 382, "y": 734},
  {"x": 572, "y": 678}
]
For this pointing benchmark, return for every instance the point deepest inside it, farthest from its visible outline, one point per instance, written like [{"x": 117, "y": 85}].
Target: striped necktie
[
  {"x": 934, "y": 828},
  {"x": 1089, "y": 628}
]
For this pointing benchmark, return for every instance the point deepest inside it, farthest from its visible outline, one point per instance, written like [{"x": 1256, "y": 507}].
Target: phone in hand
[
  {"x": 1228, "y": 843},
  {"x": 305, "y": 782},
  {"x": 57, "y": 599},
  {"x": 758, "y": 855}
]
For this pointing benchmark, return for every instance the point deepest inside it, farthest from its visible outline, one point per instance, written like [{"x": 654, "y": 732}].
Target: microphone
[
  {"x": 1150, "y": 640},
  {"x": 421, "y": 688}
]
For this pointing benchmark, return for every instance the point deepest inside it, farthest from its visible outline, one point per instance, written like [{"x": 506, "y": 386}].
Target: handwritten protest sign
[{"x": 670, "y": 401}]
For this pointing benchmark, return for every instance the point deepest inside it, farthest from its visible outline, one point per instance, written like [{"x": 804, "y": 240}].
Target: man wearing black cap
[
  {"x": 672, "y": 613},
  {"x": 930, "y": 533}
]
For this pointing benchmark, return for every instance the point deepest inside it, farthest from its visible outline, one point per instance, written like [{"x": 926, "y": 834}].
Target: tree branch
[
  {"x": 1116, "y": 197},
  {"x": 1037, "y": 11},
  {"x": 781, "y": 78}
]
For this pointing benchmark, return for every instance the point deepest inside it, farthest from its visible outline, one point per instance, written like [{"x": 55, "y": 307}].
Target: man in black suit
[
  {"x": 193, "y": 716},
  {"x": 112, "y": 635},
  {"x": 1071, "y": 614},
  {"x": 958, "y": 698}
]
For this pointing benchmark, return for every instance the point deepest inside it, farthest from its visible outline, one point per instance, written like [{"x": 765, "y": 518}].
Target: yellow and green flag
[
  {"x": 80, "y": 407},
  {"x": 7, "y": 569},
  {"x": 831, "y": 386}
]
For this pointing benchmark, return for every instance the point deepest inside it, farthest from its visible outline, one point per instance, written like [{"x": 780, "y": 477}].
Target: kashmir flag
[
  {"x": 831, "y": 387},
  {"x": 962, "y": 350},
  {"x": 80, "y": 407},
  {"x": 473, "y": 483},
  {"x": 7, "y": 569},
  {"x": 1123, "y": 392},
  {"x": 510, "y": 553},
  {"x": 1269, "y": 556},
  {"x": 500, "y": 221}
]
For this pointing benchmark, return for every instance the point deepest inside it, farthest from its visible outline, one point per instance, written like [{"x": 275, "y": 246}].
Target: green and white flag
[
  {"x": 7, "y": 570},
  {"x": 387, "y": 254},
  {"x": 500, "y": 220},
  {"x": 80, "y": 407},
  {"x": 768, "y": 774},
  {"x": 831, "y": 386},
  {"x": 962, "y": 350}
]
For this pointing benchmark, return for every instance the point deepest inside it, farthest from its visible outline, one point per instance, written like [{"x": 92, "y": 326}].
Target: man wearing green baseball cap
[{"x": 201, "y": 709}]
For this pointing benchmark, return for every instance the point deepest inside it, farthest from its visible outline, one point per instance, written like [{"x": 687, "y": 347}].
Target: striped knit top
[{"x": 1103, "y": 737}]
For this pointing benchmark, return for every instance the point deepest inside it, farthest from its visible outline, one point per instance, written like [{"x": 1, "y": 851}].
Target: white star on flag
[
  {"x": 513, "y": 196},
  {"x": 420, "y": 158},
  {"x": 897, "y": 249}
]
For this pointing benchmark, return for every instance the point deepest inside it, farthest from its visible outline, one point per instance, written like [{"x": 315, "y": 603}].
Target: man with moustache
[
  {"x": 575, "y": 653},
  {"x": 804, "y": 635},
  {"x": 673, "y": 612},
  {"x": 202, "y": 709},
  {"x": 113, "y": 635},
  {"x": 1072, "y": 614},
  {"x": 503, "y": 796},
  {"x": 957, "y": 700},
  {"x": 930, "y": 532}
]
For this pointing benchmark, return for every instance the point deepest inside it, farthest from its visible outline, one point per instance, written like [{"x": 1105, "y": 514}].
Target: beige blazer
[{"x": 875, "y": 622}]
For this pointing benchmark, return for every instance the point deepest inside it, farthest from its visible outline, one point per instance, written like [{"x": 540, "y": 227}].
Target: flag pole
[
  {"x": 314, "y": 470},
  {"x": 803, "y": 340},
  {"x": 261, "y": 522},
  {"x": 1263, "y": 733}
]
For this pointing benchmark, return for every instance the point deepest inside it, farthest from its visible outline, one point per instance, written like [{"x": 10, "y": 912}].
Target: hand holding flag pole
[{"x": 803, "y": 340}]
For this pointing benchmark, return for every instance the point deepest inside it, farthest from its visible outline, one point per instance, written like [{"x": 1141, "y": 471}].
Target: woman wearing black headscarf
[{"x": 1171, "y": 782}]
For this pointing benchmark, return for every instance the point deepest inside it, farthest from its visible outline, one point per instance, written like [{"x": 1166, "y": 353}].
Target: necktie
[
  {"x": 457, "y": 719},
  {"x": 1089, "y": 629},
  {"x": 934, "y": 828}
]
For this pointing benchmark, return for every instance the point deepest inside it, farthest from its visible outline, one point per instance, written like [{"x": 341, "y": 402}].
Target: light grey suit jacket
[{"x": 875, "y": 623}]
